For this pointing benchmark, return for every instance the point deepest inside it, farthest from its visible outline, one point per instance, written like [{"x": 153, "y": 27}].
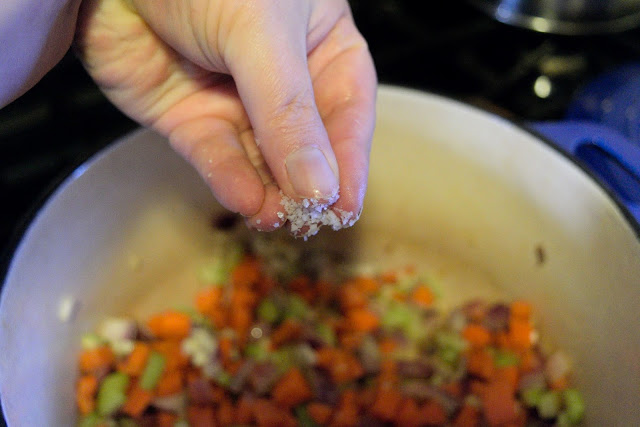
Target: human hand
[{"x": 260, "y": 96}]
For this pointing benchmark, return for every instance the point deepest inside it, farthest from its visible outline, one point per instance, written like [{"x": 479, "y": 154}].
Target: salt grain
[{"x": 309, "y": 215}]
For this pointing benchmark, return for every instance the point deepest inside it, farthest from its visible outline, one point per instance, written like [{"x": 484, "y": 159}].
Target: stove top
[{"x": 454, "y": 50}]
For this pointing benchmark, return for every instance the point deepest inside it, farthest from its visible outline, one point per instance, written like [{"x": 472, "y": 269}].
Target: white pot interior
[{"x": 454, "y": 190}]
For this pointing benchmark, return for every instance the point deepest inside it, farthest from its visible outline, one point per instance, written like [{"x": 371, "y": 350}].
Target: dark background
[{"x": 451, "y": 49}]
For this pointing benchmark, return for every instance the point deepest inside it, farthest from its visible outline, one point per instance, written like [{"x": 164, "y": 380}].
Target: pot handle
[{"x": 603, "y": 151}]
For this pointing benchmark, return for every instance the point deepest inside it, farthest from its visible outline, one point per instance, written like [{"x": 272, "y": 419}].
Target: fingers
[
  {"x": 346, "y": 82},
  {"x": 212, "y": 146},
  {"x": 268, "y": 60}
]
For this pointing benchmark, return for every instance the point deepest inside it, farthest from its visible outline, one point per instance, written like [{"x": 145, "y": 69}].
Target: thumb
[{"x": 268, "y": 61}]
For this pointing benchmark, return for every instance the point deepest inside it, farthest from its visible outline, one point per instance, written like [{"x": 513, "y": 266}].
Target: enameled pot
[{"x": 122, "y": 234}]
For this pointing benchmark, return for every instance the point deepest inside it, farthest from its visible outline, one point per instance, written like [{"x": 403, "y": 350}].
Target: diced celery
[
  {"x": 297, "y": 308},
  {"x": 303, "y": 417},
  {"x": 327, "y": 334},
  {"x": 283, "y": 358},
  {"x": 90, "y": 420},
  {"x": 574, "y": 405},
  {"x": 152, "y": 371},
  {"x": 549, "y": 404},
  {"x": 503, "y": 358},
  {"x": 112, "y": 393},
  {"x": 214, "y": 273},
  {"x": 268, "y": 311},
  {"x": 397, "y": 316},
  {"x": 89, "y": 341},
  {"x": 223, "y": 378},
  {"x": 449, "y": 355},
  {"x": 181, "y": 423},
  {"x": 531, "y": 396},
  {"x": 450, "y": 340},
  {"x": 563, "y": 420},
  {"x": 258, "y": 351},
  {"x": 127, "y": 422}
]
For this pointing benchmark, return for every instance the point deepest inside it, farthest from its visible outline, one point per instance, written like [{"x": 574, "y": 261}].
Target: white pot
[{"x": 447, "y": 180}]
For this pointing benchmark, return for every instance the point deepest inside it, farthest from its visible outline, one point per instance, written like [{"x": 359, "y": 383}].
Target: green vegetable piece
[
  {"x": 397, "y": 316},
  {"x": 127, "y": 422},
  {"x": 549, "y": 404},
  {"x": 531, "y": 396},
  {"x": 223, "y": 378},
  {"x": 304, "y": 419},
  {"x": 89, "y": 341},
  {"x": 574, "y": 405},
  {"x": 90, "y": 420},
  {"x": 449, "y": 355},
  {"x": 112, "y": 393},
  {"x": 181, "y": 423},
  {"x": 153, "y": 371},
  {"x": 503, "y": 359},
  {"x": 297, "y": 308},
  {"x": 268, "y": 311},
  {"x": 327, "y": 334},
  {"x": 214, "y": 273},
  {"x": 284, "y": 358},
  {"x": 258, "y": 351},
  {"x": 450, "y": 340},
  {"x": 563, "y": 420}
]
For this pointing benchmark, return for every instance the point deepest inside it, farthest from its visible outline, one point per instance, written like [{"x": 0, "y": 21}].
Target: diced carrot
[
  {"x": 265, "y": 285},
  {"x": 346, "y": 368},
  {"x": 289, "y": 330},
  {"x": 170, "y": 383},
  {"x": 171, "y": 350},
  {"x": 135, "y": 363},
  {"x": 225, "y": 344},
  {"x": 453, "y": 389},
  {"x": 351, "y": 298},
  {"x": 324, "y": 290},
  {"x": 508, "y": 374},
  {"x": 501, "y": 340},
  {"x": 409, "y": 414},
  {"x": 138, "y": 399},
  {"x": 498, "y": 403},
  {"x": 246, "y": 274},
  {"x": 226, "y": 413},
  {"x": 560, "y": 384},
  {"x": 468, "y": 416},
  {"x": 319, "y": 412},
  {"x": 366, "y": 285},
  {"x": 520, "y": 334},
  {"x": 232, "y": 366},
  {"x": 170, "y": 325},
  {"x": 243, "y": 297},
  {"x": 477, "y": 388},
  {"x": 299, "y": 283},
  {"x": 367, "y": 397},
  {"x": 244, "y": 410},
  {"x": 389, "y": 277},
  {"x": 219, "y": 317},
  {"x": 268, "y": 414},
  {"x": 388, "y": 345},
  {"x": 388, "y": 377},
  {"x": 346, "y": 414},
  {"x": 476, "y": 335},
  {"x": 96, "y": 359},
  {"x": 207, "y": 300},
  {"x": 529, "y": 361},
  {"x": 241, "y": 320},
  {"x": 432, "y": 413},
  {"x": 520, "y": 310},
  {"x": 292, "y": 389},
  {"x": 201, "y": 416},
  {"x": 423, "y": 296},
  {"x": 386, "y": 405},
  {"x": 351, "y": 340},
  {"x": 86, "y": 388},
  {"x": 480, "y": 363},
  {"x": 166, "y": 419},
  {"x": 363, "y": 320}
]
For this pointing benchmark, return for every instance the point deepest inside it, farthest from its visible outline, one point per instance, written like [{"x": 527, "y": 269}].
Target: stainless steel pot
[
  {"x": 448, "y": 181},
  {"x": 565, "y": 16}
]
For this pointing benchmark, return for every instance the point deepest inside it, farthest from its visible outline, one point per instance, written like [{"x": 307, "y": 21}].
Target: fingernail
[{"x": 310, "y": 174}]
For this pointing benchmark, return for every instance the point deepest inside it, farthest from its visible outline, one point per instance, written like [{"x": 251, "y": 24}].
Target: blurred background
[{"x": 453, "y": 49}]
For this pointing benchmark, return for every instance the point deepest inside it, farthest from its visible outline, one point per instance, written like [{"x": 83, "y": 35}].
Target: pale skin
[{"x": 258, "y": 95}]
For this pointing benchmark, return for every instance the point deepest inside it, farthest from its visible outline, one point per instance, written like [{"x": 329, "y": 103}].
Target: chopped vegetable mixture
[{"x": 366, "y": 351}]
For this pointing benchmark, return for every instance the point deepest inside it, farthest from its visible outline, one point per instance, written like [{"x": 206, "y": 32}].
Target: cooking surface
[{"x": 455, "y": 51}]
